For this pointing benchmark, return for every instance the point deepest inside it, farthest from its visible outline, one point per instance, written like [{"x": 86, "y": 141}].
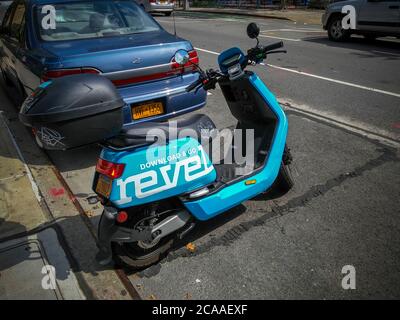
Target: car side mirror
[
  {"x": 253, "y": 30},
  {"x": 182, "y": 57}
]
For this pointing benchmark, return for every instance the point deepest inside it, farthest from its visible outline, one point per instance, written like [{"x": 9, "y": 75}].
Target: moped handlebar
[{"x": 273, "y": 46}]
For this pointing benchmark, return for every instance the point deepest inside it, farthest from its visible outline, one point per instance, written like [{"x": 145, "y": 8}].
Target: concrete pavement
[
  {"x": 33, "y": 244},
  {"x": 344, "y": 207}
]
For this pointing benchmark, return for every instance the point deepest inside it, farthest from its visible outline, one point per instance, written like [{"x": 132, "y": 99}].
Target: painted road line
[
  {"x": 385, "y": 52},
  {"x": 394, "y": 94},
  {"x": 280, "y": 38},
  {"x": 294, "y": 30},
  {"x": 208, "y": 51},
  {"x": 389, "y": 93}
]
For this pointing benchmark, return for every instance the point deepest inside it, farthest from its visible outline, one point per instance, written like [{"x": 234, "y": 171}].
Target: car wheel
[
  {"x": 336, "y": 31},
  {"x": 168, "y": 13}
]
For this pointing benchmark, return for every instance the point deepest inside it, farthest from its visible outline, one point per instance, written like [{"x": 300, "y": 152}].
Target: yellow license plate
[
  {"x": 147, "y": 110},
  {"x": 104, "y": 186}
]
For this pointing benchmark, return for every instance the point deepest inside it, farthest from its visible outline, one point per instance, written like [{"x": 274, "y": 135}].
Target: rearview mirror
[
  {"x": 182, "y": 57},
  {"x": 253, "y": 30}
]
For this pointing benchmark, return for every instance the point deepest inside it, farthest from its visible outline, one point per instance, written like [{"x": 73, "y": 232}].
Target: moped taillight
[{"x": 110, "y": 169}]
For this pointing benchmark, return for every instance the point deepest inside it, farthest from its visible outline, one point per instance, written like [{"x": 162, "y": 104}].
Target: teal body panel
[
  {"x": 159, "y": 172},
  {"x": 235, "y": 193}
]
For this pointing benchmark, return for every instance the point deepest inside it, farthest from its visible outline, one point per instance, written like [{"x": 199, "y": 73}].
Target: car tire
[
  {"x": 335, "y": 30},
  {"x": 168, "y": 13}
]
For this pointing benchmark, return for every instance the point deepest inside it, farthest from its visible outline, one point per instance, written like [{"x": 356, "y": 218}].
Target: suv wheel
[{"x": 335, "y": 30}]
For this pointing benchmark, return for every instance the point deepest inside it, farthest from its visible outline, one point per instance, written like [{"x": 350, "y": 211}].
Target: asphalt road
[{"x": 343, "y": 104}]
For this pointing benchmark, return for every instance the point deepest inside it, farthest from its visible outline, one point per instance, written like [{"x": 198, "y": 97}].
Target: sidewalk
[
  {"x": 41, "y": 228},
  {"x": 304, "y": 16},
  {"x": 32, "y": 248}
]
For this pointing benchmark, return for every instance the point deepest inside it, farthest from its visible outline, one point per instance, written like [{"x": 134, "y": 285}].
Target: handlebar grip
[{"x": 273, "y": 46}]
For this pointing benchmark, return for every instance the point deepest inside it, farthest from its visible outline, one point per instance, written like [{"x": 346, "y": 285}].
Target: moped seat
[{"x": 197, "y": 126}]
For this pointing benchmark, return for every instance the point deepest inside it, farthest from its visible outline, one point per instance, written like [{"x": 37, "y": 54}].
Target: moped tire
[
  {"x": 139, "y": 255},
  {"x": 128, "y": 254},
  {"x": 284, "y": 182}
]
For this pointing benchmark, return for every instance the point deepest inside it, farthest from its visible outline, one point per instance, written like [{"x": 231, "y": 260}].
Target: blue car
[{"x": 47, "y": 39}]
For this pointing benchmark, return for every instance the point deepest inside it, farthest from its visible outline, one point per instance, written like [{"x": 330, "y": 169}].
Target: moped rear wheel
[
  {"x": 142, "y": 254},
  {"x": 284, "y": 182}
]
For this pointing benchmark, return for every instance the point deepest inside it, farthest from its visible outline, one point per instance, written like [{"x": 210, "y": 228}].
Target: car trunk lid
[{"x": 124, "y": 59}]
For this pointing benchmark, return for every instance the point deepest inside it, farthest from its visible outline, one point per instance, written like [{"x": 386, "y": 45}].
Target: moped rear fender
[
  {"x": 159, "y": 172},
  {"x": 233, "y": 194}
]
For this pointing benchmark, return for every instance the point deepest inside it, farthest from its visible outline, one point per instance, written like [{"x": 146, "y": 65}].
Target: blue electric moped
[
  {"x": 154, "y": 191},
  {"x": 157, "y": 179}
]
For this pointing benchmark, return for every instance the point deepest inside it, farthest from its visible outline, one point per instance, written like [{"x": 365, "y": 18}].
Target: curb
[{"x": 257, "y": 15}]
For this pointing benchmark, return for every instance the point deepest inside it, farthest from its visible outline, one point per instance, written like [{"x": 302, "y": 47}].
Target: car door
[
  {"x": 4, "y": 38},
  {"x": 4, "y": 4},
  {"x": 13, "y": 41},
  {"x": 26, "y": 61},
  {"x": 379, "y": 16}
]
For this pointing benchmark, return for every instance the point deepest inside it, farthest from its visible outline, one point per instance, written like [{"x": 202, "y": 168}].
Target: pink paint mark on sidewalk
[
  {"x": 396, "y": 125},
  {"x": 56, "y": 192}
]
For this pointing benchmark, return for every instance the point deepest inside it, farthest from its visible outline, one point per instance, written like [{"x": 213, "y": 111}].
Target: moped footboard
[{"x": 253, "y": 184}]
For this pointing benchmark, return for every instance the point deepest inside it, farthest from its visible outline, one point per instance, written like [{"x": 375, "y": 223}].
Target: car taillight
[
  {"x": 189, "y": 66},
  {"x": 57, "y": 73},
  {"x": 152, "y": 1},
  {"x": 110, "y": 169}
]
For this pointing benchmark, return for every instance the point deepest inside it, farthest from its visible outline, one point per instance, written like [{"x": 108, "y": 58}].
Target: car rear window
[{"x": 92, "y": 19}]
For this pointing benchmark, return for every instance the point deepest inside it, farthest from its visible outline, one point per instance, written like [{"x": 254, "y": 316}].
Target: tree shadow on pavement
[{"x": 35, "y": 248}]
